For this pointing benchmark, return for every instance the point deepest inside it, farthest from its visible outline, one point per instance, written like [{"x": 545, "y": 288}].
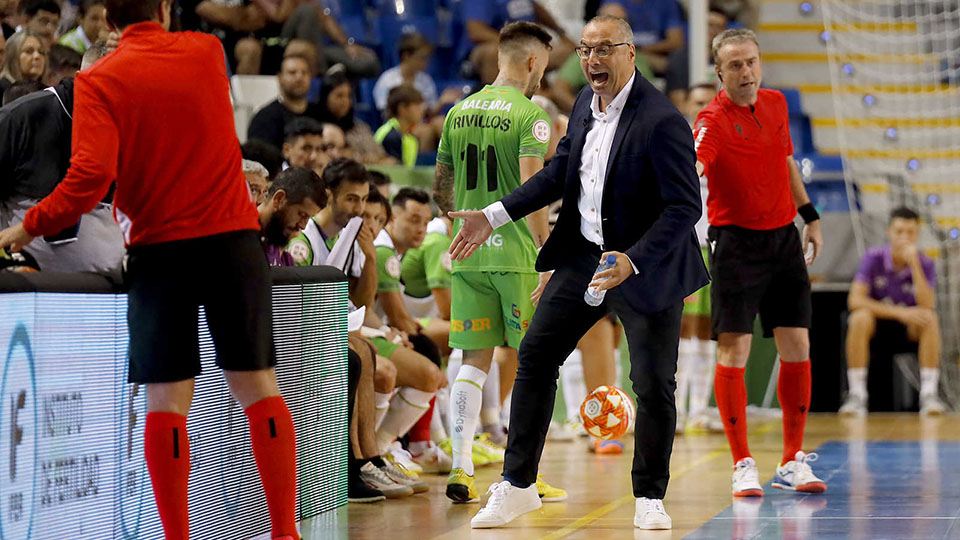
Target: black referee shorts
[
  {"x": 757, "y": 272},
  {"x": 167, "y": 283}
]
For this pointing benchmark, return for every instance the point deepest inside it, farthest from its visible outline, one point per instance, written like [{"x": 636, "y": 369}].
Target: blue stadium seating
[{"x": 351, "y": 15}]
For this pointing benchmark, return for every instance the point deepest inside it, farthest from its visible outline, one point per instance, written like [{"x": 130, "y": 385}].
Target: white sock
[
  {"x": 686, "y": 357},
  {"x": 930, "y": 381},
  {"x": 574, "y": 388},
  {"x": 405, "y": 409},
  {"x": 466, "y": 394},
  {"x": 453, "y": 366},
  {"x": 418, "y": 448},
  {"x": 857, "y": 381},
  {"x": 701, "y": 377},
  {"x": 382, "y": 404},
  {"x": 490, "y": 406},
  {"x": 438, "y": 431}
]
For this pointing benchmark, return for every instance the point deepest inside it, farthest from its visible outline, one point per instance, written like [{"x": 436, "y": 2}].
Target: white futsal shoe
[
  {"x": 505, "y": 504},
  {"x": 651, "y": 516},
  {"x": 930, "y": 405},
  {"x": 746, "y": 482},
  {"x": 854, "y": 406}
]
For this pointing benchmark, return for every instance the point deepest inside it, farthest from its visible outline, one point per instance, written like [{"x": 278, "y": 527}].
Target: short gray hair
[
  {"x": 732, "y": 35},
  {"x": 623, "y": 27},
  {"x": 254, "y": 167},
  {"x": 96, "y": 51}
]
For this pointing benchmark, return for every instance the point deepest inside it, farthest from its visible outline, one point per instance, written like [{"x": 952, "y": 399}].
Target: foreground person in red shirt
[
  {"x": 756, "y": 255},
  {"x": 155, "y": 117}
]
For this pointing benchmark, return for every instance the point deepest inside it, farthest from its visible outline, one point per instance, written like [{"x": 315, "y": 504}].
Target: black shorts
[
  {"x": 891, "y": 337},
  {"x": 757, "y": 271},
  {"x": 167, "y": 283}
]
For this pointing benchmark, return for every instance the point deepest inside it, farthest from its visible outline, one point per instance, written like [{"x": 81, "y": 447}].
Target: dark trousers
[{"x": 561, "y": 319}]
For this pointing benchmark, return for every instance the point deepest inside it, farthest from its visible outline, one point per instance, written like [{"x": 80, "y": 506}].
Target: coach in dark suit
[{"x": 626, "y": 174}]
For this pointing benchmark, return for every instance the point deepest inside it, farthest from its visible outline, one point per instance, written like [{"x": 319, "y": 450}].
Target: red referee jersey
[
  {"x": 744, "y": 153},
  {"x": 154, "y": 116}
]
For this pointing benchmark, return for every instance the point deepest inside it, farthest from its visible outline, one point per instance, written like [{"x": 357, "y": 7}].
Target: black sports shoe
[{"x": 359, "y": 492}]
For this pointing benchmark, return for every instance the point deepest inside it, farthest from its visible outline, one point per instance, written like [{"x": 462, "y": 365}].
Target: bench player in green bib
[{"x": 492, "y": 142}]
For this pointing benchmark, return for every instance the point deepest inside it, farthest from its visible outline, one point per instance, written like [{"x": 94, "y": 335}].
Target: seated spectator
[
  {"x": 265, "y": 154},
  {"x": 245, "y": 26},
  {"x": 334, "y": 141},
  {"x": 25, "y": 58},
  {"x": 405, "y": 112},
  {"x": 20, "y": 89},
  {"x": 744, "y": 13},
  {"x": 303, "y": 145},
  {"x": 381, "y": 182},
  {"x": 657, "y": 27},
  {"x": 313, "y": 23},
  {"x": 91, "y": 26},
  {"x": 295, "y": 194},
  {"x": 483, "y": 20},
  {"x": 892, "y": 299},
  {"x": 43, "y": 19},
  {"x": 35, "y": 141},
  {"x": 570, "y": 78},
  {"x": 414, "y": 51},
  {"x": 697, "y": 97},
  {"x": 62, "y": 63},
  {"x": 269, "y": 123},
  {"x": 336, "y": 107},
  {"x": 256, "y": 175},
  {"x": 10, "y": 18},
  {"x": 678, "y": 62}
]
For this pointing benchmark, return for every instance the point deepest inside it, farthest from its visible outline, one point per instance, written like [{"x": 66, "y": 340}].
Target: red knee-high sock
[
  {"x": 274, "y": 448},
  {"x": 731, "y": 395},
  {"x": 793, "y": 391},
  {"x": 167, "y": 451},
  {"x": 420, "y": 431}
]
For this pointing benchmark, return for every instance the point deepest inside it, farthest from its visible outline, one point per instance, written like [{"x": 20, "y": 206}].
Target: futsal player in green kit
[{"x": 492, "y": 142}]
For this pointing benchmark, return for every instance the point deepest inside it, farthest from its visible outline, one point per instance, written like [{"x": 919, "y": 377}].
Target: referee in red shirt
[
  {"x": 155, "y": 117},
  {"x": 756, "y": 256}
]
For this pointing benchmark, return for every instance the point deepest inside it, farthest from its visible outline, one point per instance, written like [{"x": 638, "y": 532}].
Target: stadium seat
[
  {"x": 250, "y": 94},
  {"x": 393, "y": 26},
  {"x": 801, "y": 133},
  {"x": 352, "y": 16},
  {"x": 363, "y": 104},
  {"x": 794, "y": 104}
]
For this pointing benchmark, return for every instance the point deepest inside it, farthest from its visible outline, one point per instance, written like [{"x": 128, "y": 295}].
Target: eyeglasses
[{"x": 602, "y": 51}]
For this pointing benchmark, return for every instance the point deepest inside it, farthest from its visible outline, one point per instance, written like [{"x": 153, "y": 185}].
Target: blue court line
[{"x": 876, "y": 490}]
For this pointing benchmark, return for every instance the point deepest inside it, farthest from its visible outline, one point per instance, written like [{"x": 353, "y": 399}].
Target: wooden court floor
[{"x": 601, "y": 504}]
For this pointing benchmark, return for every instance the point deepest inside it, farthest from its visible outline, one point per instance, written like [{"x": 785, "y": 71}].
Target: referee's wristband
[{"x": 808, "y": 213}]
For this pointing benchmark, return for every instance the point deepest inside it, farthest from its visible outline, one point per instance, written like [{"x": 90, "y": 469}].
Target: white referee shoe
[
  {"x": 650, "y": 515},
  {"x": 505, "y": 504}
]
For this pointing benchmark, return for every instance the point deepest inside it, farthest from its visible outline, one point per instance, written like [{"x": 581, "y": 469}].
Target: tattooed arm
[{"x": 443, "y": 188}]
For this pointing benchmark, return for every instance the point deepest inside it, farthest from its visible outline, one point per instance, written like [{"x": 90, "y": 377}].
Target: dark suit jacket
[{"x": 651, "y": 198}]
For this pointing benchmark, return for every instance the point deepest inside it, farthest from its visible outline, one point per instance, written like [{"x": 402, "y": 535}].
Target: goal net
[{"x": 895, "y": 75}]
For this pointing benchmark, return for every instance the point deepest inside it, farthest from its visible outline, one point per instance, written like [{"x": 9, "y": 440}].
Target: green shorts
[
  {"x": 384, "y": 347},
  {"x": 490, "y": 309},
  {"x": 698, "y": 303}
]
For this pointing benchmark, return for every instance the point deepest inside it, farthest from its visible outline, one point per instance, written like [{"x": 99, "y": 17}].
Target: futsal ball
[{"x": 607, "y": 412}]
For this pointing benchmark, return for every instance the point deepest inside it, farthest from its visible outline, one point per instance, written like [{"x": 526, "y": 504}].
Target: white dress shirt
[{"x": 593, "y": 168}]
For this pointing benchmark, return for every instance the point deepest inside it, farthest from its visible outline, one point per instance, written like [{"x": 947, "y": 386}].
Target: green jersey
[
  {"x": 428, "y": 266},
  {"x": 484, "y": 137}
]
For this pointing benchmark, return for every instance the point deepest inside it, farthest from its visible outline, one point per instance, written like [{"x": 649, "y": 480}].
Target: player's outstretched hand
[
  {"x": 14, "y": 238},
  {"x": 474, "y": 232},
  {"x": 812, "y": 240}
]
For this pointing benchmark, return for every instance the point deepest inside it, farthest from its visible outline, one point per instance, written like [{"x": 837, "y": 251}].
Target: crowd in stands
[{"x": 362, "y": 84}]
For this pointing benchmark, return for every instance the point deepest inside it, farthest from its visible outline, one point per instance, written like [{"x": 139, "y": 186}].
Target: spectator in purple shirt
[
  {"x": 295, "y": 195},
  {"x": 892, "y": 297}
]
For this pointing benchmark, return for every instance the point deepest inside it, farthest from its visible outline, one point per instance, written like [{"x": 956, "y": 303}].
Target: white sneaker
[
  {"x": 746, "y": 481},
  {"x": 559, "y": 432},
  {"x": 930, "y": 405},
  {"x": 378, "y": 479},
  {"x": 434, "y": 460},
  {"x": 404, "y": 479},
  {"x": 854, "y": 405},
  {"x": 681, "y": 423},
  {"x": 403, "y": 460},
  {"x": 797, "y": 475},
  {"x": 650, "y": 515},
  {"x": 505, "y": 504}
]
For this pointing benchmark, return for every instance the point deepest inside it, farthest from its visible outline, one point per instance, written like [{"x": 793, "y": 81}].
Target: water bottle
[{"x": 592, "y": 296}]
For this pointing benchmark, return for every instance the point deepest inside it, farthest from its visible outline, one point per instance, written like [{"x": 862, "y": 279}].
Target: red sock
[
  {"x": 420, "y": 432},
  {"x": 731, "y": 395},
  {"x": 167, "y": 451},
  {"x": 274, "y": 448},
  {"x": 793, "y": 391}
]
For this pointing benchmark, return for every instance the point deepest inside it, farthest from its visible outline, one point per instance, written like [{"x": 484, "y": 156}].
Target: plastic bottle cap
[{"x": 611, "y": 259}]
